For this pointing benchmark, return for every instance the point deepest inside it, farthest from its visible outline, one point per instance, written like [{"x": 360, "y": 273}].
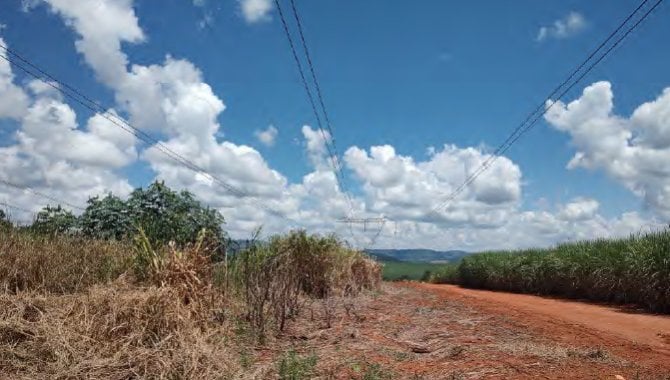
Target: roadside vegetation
[
  {"x": 633, "y": 270},
  {"x": 110, "y": 294}
]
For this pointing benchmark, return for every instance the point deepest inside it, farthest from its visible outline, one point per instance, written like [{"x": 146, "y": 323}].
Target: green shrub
[
  {"x": 445, "y": 274},
  {"x": 54, "y": 220},
  {"x": 5, "y": 224},
  {"x": 166, "y": 215}
]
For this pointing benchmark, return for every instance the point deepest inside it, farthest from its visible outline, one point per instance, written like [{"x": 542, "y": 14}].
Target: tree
[
  {"x": 166, "y": 215},
  {"x": 5, "y": 224},
  {"x": 163, "y": 214},
  {"x": 54, "y": 220},
  {"x": 107, "y": 218}
]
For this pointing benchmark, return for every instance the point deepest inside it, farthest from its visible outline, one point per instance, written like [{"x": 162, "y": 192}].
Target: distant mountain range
[
  {"x": 399, "y": 255},
  {"x": 416, "y": 255}
]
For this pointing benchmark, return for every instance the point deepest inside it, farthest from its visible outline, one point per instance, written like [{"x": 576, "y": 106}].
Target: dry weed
[
  {"x": 74, "y": 309},
  {"x": 58, "y": 264},
  {"x": 111, "y": 332}
]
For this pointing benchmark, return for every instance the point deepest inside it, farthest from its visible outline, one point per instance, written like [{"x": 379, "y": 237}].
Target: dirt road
[
  {"x": 636, "y": 327},
  {"x": 425, "y": 331}
]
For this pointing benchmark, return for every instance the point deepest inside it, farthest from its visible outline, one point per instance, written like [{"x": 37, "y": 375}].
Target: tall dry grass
[
  {"x": 276, "y": 279},
  {"x": 58, "y": 264},
  {"x": 111, "y": 332},
  {"x": 84, "y": 309}
]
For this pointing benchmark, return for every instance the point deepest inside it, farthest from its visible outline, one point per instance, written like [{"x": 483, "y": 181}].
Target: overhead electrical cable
[
  {"x": 33, "y": 70},
  {"x": 319, "y": 95},
  {"x": 11, "y": 206},
  {"x": 549, "y": 103},
  {"x": 327, "y": 135},
  {"x": 40, "y": 194}
]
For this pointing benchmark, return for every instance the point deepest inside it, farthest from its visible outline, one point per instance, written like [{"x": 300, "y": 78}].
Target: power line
[
  {"x": 120, "y": 122},
  {"x": 7, "y": 205},
  {"x": 318, "y": 92},
  {"x": 535, "y": 116},
  {"x": 331, "y": 150},
  {"x": 40, "y": 194},
  {"x": 331, "y": 145},
  {"x": 14, "y": 221}
]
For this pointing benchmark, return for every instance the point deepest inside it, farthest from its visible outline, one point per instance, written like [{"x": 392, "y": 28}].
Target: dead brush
[
  {"x": 188, "y": 270},
  {"x": 277, "y": 279},
  {"x": 155, "y": 313},
  {"x": 354, "y": 272},
  {"x": 60, "y": 264},
  {"x": 112, "y": 332}
]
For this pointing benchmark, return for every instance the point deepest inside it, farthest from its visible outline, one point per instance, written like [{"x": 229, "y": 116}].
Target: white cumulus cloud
[
  {"x": 402, "y": 188},
  {"x": 579, "y": 209},
  {"x": 53, "y": 155},
  {"x": 172, "y": 100},
  {"x": 633, "y": 150},
  {"x": 565, "y": 27},
  {"x": 14, "y": 101},
  {"x": 103, "y": 25}
]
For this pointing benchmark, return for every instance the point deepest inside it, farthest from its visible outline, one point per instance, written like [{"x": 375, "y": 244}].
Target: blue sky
[{"x": 410, "y": 75}]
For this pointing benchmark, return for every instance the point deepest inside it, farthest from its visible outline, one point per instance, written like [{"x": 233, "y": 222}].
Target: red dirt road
[
  {"x": 429, "y": 332},
  {"x": 638, "y": 328}
]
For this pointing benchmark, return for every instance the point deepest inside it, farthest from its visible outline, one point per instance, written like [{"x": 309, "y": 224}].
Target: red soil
[
  {"x": 426, "y": 331},
  {"x": 609, "y": 321}
]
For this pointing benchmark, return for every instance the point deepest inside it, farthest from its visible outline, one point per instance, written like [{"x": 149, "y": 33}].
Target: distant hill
[
  {"x": 416, "y": 255},
  {"x": 389, "y": 255}
]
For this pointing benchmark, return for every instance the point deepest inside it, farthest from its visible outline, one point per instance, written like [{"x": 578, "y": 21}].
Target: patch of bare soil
[{"x": 423, "y": 331}]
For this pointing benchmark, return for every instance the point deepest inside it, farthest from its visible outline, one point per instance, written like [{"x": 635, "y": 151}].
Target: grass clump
[
  {"x": 295, "y": 367},
  {"x": 633, "y": 270}
]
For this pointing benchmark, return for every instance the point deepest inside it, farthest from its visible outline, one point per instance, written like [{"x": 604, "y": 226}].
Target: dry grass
[
  {"x": 276, "y": 279},
  {"x": 111, "y": 332},
  {"x": 58, "y": 264},
  {"x": 76, "y": 309},
  {"x": 556, "y": 352}
]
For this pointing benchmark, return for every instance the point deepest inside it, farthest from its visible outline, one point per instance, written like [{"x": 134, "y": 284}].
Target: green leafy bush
[
  {"x": 166, "y": 215},
  {"x": 107, "y": 218},
  {"x": 5, "y": 224}
]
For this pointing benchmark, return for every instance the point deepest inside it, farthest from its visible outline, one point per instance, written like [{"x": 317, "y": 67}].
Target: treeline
[
  {"x": 634, "y": 270},
  {"x": 162, "y": 214}
]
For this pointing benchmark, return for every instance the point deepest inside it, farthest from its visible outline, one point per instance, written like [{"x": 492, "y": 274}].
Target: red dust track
[
  {"x": 635, "y": 327},
  {"x": 434, "y": 332},
  {"x": 637, "y": 337}
]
